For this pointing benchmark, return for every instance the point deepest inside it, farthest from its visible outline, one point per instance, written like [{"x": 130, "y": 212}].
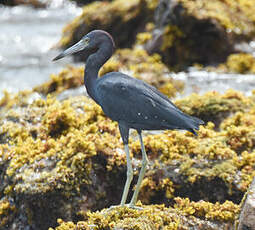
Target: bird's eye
[{"x": 86, "y": 40}]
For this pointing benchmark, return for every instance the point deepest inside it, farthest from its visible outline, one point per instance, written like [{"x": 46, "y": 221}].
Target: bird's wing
[{"x": 133, "y": 101}]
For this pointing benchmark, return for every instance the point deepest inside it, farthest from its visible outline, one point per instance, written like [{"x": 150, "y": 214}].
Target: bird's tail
[{"x": 193, "y": 123}]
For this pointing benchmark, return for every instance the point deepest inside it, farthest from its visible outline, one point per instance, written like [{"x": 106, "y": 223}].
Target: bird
[{"x": 131, "y": 102}]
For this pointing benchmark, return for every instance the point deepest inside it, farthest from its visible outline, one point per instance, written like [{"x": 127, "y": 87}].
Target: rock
[
  {"x": 183, "y": 32},
  {"x": 122, "y": 19},
  {"x": 34, "y": 3},
  {"x": 153, "y": 217},
  {"x": 214, "y": 106},
  {"x": 247, "y": 215},
  {"x": 205, "y": 32},
  {"x": 241, "y": 63},
  {"x": 61, "y": 159},
  {"x": 85, "y": 2}
]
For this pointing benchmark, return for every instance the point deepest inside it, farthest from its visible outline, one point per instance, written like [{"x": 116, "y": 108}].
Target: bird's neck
[{"x": 93, "y": 65}]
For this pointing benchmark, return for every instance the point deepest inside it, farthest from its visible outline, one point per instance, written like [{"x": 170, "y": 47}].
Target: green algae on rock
[
  {"x": 11, "y": 100},
  {"x": 235, "y": 16},
  {"x": 214, "y": 106},
  {"x": 55, "y": 154},
  {"x": 50, "y": 154},
  {"x": 178, "y": 31},
  {"x": 159, "y": 217},
  {"x": 221, "y": 212},
  {"x": 199, "y": 31},
  {"x": 117, "y": 17},
  {"x": 60, "y": 132},
  {"x": 241, "y": 63},
  {"x": 7, "y": 211},
  {"x": 70, "y": 77}
]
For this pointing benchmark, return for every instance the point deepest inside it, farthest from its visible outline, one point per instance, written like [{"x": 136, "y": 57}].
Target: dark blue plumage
[
  {"x": 139, "y": 105},
  {"x": 129, "y": 101}
]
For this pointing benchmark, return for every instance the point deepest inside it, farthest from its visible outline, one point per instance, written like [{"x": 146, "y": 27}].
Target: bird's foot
[{"x": 131, "y": 206}]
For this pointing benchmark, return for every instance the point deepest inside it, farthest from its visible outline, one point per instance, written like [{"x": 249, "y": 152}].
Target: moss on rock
[
  {"x": 184, "y": 32},
  {"x": 214, "y": 106},
  {"x": 51, "y": 152},
  {"x": 221, "y": 212},
  {"x": 7, "y": 210},
  {"x": 235, "y": 16},
  {"x": 70, "y": 77},
  {"x": 117, "y": 17},
  {"x": 159, "y": 217},
  {"x": 241, "y": 63},
  {"x": 199, "y": 32},
  {"x": 65, "y": 158}
]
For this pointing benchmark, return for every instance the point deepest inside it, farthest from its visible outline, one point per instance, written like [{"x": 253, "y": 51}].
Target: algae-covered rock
[
  {"x": 123, "y": 19},
  {"x": 51, "y": 159},
  {"x": 7, "y": 212},
  {"x": 183, "y": 217},
  {"x": 214, "y": 106},
  {"x": 70, "y": 77},
  {"x": 62, "y": 158},
  {"x": 183, "y": 32},
  {"x": 241, "y": 63},
  {"x": 205, "y": 32}
]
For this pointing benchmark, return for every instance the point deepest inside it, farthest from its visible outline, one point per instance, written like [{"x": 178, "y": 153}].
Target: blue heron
[{"x": 129, "y": 101}]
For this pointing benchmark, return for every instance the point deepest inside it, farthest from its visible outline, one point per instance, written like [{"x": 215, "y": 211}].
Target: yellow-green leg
[
  {"x": 141, "y": 174},
  {"x": 129, "y": 176}
]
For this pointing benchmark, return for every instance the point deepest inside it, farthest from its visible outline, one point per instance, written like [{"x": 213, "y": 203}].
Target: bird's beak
[{"x": 81, "y": 45}]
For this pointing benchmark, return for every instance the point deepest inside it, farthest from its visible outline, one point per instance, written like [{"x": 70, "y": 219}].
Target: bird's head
[{"x": 90, "y": 43}]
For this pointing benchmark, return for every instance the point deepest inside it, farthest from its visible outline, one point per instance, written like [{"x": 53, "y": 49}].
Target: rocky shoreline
[{"x": 61, "y": 159}]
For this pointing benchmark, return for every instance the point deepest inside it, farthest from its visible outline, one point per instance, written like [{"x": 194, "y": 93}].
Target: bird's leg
[
  {"x": 129, "y": 176},
  {"x": 124, "y": 132},
  {"x": 142, "y": 172}
]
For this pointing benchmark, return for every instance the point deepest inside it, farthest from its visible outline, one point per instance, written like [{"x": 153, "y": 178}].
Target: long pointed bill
[{"x": 73, "y": 49}]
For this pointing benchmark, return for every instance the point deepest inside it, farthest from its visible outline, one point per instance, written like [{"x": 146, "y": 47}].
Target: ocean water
[{"x": 27, "y": 40}]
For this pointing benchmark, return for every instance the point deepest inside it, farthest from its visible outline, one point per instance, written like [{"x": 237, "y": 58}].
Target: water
[
  {"x": 199, "y": 81},
  {"x": 27, "y": 38},
  {"x": 28, "y": 35}
]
